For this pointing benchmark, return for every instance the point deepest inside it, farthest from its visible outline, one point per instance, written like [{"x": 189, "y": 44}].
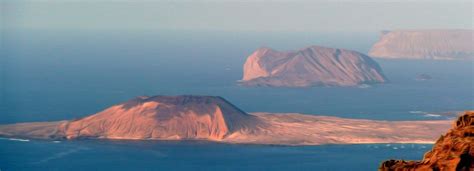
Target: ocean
[
  {"x": 175, "y": 155},
  {"x": 65, "y": 74}
]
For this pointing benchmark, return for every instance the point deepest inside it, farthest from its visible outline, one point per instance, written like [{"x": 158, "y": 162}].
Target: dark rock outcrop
[{"x": 453, "y": 151}]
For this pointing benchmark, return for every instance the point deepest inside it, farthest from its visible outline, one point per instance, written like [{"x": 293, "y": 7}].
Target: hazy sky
[{"x": 360, "y": 15}]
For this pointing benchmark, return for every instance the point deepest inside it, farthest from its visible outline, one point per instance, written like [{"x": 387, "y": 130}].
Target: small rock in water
[{"x": 423, "y": 77}]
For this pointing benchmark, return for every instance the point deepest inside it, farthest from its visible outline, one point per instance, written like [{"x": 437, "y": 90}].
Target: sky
[{"x": 243, "y": 15}]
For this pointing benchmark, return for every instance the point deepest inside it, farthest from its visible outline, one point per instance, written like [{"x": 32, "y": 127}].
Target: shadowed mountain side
[
  {"x": 215, "y": 119},
  {"x": 311, "y": 66},
  {"x": 452, "y": 151}
]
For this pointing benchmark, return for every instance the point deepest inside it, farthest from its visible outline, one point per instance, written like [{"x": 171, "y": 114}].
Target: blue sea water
[
  {"x": 146, "y": 155},
  {"x": 63, "y": 74}
]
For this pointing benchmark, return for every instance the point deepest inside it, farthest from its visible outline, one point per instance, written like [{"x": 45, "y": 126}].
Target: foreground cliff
[
  {"x": 311, "y": 66},
  {"x": 425, "y": 44},
  {"x": 215, "y": 119},
  {"x": 453, "y": 151}
]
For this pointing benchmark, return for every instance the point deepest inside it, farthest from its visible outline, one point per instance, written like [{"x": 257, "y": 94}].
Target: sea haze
[
  {"x": 65, "y": 74},
  {"x": 58, "y": 74}
]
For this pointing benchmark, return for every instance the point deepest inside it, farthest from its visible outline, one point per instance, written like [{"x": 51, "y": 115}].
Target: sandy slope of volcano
[{"x": 300, "y": 129}]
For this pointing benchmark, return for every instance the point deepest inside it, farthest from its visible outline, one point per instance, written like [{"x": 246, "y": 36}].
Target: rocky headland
[{"x": 452, "y": 151}]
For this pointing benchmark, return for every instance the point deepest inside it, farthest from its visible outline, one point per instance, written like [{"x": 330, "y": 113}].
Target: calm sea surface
[
  {"x": 63, "y": 74},
  {"x": 140, "y": 155}
]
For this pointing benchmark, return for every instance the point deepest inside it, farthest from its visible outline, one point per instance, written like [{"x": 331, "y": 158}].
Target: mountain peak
[
  {"x": 163, "y": 117},
  {"x": 310, "y": 66},
  {"x": 175, "y": 100}
]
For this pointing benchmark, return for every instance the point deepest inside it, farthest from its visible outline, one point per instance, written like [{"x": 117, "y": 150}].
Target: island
[
  {"x": 212, "y": 118},
  {"x": 452, "y": 151},
  {"x": 310, "y": 66},
  {"x": 425, "y": 44}
]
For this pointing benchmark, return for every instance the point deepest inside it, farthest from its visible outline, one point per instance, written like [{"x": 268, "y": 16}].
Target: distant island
[
  {"x": 452, "y": 151},
  {"x": 213, "y": 118},
  {"x": 425, "y": 44},
  {"x": 311, "y": 66}
]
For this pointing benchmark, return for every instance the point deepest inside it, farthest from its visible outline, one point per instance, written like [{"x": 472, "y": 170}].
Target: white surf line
[
  {"x": 432, "y": 115},
  {"x": 15, "y": 139}
]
